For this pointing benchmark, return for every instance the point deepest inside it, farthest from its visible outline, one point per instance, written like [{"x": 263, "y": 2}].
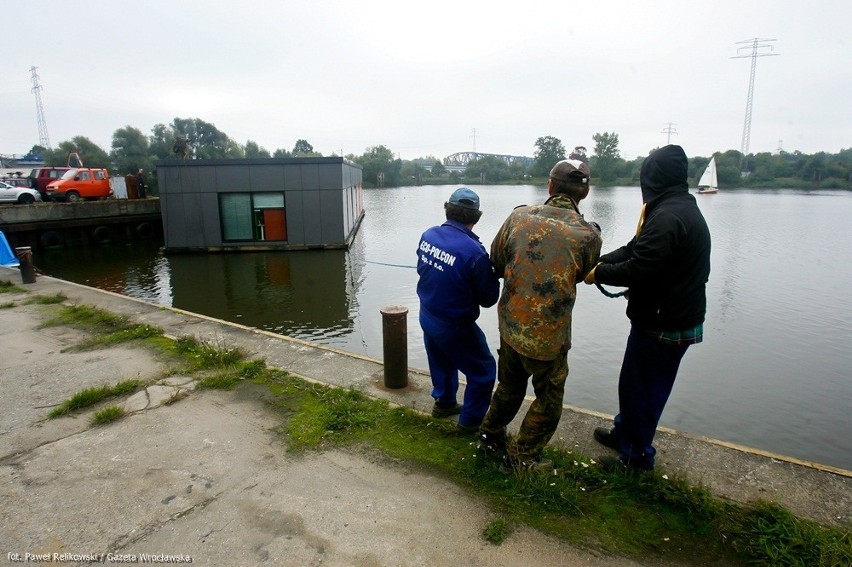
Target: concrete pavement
[{"x": 209, "y": 477}]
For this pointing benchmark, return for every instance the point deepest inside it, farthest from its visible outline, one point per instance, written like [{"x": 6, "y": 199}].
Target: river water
[{"x": 772, "y": 373}]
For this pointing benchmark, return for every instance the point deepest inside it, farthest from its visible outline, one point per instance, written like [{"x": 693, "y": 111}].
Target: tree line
[{"x": 131, "y": 150}]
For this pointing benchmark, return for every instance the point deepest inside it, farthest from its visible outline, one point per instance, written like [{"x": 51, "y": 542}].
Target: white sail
[{"x": 708, "y": 183}]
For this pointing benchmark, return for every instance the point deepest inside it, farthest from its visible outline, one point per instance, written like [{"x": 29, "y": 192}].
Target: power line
[
  {"x": 43, "y": 138},
  {"x": 669, "y": 129},
  {"x": 755, "y": 44}
]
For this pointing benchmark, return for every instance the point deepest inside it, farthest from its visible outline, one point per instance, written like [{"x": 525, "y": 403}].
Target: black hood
[{"x": 664, "y": 171}]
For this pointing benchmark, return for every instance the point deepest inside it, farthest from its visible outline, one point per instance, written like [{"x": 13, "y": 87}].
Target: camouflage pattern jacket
[{"x": 542, "y": 252}]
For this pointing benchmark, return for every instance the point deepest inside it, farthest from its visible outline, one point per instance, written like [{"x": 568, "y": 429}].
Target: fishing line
[{"x": 392, "y": 265}]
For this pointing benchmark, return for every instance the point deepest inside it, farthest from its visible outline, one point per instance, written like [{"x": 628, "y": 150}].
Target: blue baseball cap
[{"x": 464, "y": 197}]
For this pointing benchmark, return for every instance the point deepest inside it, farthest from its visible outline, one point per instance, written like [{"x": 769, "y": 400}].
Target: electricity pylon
[
  {"x": 669, "y": 129},
  {"x": 43, "y": 138},
  {"x": 755, "y": 44}
]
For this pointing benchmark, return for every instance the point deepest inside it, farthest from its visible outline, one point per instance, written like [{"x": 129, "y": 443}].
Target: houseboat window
[
  {"x": 253, "y": 216},
  {"x": 235, "y": 211}
]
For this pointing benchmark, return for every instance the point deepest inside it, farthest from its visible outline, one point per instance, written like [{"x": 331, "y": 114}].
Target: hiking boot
[
  {"x": 439, "y": 412},
  {"x": 606, "y": 437},
  {"x": 622, "y": 464},
  {"x": 467, "y": 429},
  {"x": 492, "y": 445}
]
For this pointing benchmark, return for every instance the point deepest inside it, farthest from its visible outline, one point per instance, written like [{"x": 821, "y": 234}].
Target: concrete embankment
[{"x": 209, "y": 477}]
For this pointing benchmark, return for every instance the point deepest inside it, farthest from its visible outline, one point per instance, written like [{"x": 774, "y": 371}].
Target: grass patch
[
  {"x": 106, "y": 328},
  {"x": 8, "y": 287},
  {"x": 236, "y": 373},
  {"x": 92, "y": 396},
  {"x": 203, "y": 356},
  {"x": 88, "y": 318},
  {"x": 646, "y": 516},
  {"x": 48, "y": 299},
  {"x": 7, "y": 305},
  {"x": 108, "y": 415},
  {"x": 496, "y": 531},
  {"x": 130, "y": 333},
  {"x": 772, "y": 533}
]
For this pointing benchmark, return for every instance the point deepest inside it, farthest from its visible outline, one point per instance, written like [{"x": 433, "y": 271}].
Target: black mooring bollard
[
  {"x": 395, "y": 345},
  {"x": 25, "y": 257}
]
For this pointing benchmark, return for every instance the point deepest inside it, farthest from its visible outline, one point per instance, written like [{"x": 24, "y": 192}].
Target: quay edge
[{"x": 810, "y": 490}]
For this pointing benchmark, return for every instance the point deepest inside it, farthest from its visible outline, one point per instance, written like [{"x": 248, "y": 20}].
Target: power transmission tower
[
  {"x": 474, "y": 140},
  {"x": 669, "y": 129},
  {"x": 43, "y": 138},
  {"x": 755, "y": 44}
]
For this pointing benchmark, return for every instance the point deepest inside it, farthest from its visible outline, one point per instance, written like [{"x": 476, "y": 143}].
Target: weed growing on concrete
[
  {"x": 496, "y": 531},
  {"x": 219, "y": 382},
  {"x": 88, "y": 318},
  {"x": 236, "y": 373},
  {"x": 48, "y": 299},
  {"x": 324, "y": 414},
  {"x": 642, "y": 515},
  {"x": 121, "y": 336},
  {"x": 8, "y": 287},
  {"x": 203, "y": 356},
  {"x": 108, "y": 415},
  {"x": 91, "y": 396}
]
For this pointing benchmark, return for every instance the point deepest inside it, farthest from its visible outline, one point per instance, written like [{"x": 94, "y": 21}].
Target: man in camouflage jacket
[{"x": 541, "y": 252}]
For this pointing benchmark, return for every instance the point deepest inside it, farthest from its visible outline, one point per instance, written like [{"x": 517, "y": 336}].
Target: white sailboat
[{"x": 708, "y": 183}]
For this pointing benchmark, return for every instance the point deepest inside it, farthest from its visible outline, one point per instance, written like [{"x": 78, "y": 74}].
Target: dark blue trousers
[
  {"x": 453, "y": 348},
  {"x": 647, "y": 376}
]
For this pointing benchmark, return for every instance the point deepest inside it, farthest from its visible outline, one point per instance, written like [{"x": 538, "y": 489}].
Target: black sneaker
[
  {"x": 621, "y": 464},
  {"x": 467, "y": 429},
  {"x": 439, "y": 412},
  {"x": 606, "y": 437}
]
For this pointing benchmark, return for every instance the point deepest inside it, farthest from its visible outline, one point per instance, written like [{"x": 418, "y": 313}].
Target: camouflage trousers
[{"x": 548, "y": 379}]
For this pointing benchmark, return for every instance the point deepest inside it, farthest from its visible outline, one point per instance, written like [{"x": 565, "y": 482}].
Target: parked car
[
  {"x": 16, "y": 181},
  {"x": 40, "y": 177},
  {"x": 80, "y": 183},
  {"x": 12, "y": 194}
]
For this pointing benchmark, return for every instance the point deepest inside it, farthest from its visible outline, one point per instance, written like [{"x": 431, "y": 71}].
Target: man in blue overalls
[{"x": 456, "y": 279}]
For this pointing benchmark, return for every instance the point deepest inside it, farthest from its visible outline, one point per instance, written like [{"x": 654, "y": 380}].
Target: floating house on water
[{"x": 259, "y": 204}]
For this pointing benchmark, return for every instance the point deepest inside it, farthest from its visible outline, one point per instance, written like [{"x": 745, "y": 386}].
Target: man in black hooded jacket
[{"x": 665, "y": 266}]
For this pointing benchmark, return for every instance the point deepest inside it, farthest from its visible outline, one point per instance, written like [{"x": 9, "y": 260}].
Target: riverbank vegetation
[
  {"x": 651, "y": 516},
  {"x": 131, "y": 150}
]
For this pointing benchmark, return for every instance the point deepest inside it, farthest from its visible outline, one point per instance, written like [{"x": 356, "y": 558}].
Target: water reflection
[{"x": 293, "y": 293}]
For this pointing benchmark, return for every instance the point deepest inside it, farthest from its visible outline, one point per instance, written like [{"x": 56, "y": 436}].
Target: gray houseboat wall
[{"x": 259, "y": 204}]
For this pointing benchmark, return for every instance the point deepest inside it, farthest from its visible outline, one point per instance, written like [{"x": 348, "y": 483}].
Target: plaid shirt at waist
[{"x": 686, "y": 337}]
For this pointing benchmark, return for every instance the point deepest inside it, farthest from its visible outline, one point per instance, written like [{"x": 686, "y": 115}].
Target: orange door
[{"x": 275, "y": 224}]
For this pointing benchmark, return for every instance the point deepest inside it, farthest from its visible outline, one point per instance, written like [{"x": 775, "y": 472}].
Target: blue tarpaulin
[{"x": 7, "y": 257}]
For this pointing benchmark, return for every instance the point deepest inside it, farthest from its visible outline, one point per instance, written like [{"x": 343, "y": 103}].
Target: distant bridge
[{"x": 460, "y": 161}]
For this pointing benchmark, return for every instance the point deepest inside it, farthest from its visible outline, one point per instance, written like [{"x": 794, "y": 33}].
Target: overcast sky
[{"x": 433, "y": 78}]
